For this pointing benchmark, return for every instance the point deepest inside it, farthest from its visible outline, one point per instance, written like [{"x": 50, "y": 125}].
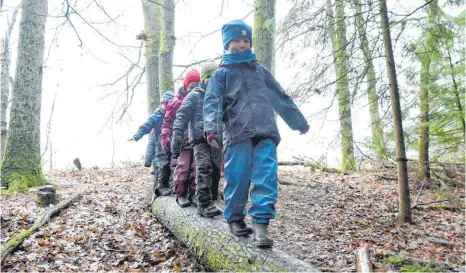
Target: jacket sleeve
[
  {"x": 169, "y": 118},
  {"x": 146, "y": 127},
  {"x": 183, "y": 116},
  {"x": 213, "y": 104},
  {"x": 283, "y": 104}
]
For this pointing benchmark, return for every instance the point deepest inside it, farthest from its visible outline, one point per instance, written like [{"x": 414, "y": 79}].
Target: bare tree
[
  {"x": 167, "y": 46},
  {"x": 5, "y": 79},
  {"x": 21, "y": 165},
  {"x": 151, "y": 37}
]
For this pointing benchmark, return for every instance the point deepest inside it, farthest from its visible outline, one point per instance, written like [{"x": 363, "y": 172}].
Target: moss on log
[{"x": 216, "y": 248}]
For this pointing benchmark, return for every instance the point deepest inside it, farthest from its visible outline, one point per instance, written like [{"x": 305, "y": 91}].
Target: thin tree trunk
[
  {"x": 402, "y": 167},
  {"x": 423, "y": 171},
  {"x": 5, "y": 80},
  {"x": 21, "y": 166},
  {"x": 338, "y": 37},
  {"x": 378, "y": 143},
  {"x": 457, "y": 93},
  {"x": 264, "y": 33},
  {"x": 151, "y": 12},
  {"x": 167, "y": 46}
]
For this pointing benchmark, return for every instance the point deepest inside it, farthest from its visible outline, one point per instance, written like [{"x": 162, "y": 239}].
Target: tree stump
[
  {"x": 216, "y": 248},
  {"x": 77, "y": 163},
  {"x": 46, "y": 196}
]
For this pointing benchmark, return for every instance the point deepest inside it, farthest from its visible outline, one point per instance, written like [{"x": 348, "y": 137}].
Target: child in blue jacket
[
  {"x": 161, "y": 160},
  {"x": 244, "y": 96}
]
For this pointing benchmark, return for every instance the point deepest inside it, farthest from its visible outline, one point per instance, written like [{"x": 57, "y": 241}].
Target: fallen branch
[
  {"x": 425, "y": 262},
  {"x": 428, "y": 203},
  {"x": 383, "y": 177},
  {"x": 363, "y": 261},
  {"x": 420, "y": 191},
  {"x": 291, "y": 163},
  {"x": 13, "y": 244},
  {"x": 210, "y": 240}
]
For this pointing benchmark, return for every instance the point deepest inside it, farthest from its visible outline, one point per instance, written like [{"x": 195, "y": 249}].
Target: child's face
[
  {"x": 192, "y": 85},
  {"x": 206, "y": 80},
  {"x": 239, "y": 45}
]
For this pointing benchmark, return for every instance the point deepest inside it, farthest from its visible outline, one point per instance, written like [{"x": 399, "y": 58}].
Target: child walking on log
[
  {"x": 244, "y": 96},
  {"x": 208, "y": 159},
  {"x": 184, "y": 174},
  {"x": 161, "y": 160}
]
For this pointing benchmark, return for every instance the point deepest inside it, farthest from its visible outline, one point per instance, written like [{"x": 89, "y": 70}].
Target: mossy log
[
  {"x": 216, "y": 248},
  {"x": 10, "y": 246}
]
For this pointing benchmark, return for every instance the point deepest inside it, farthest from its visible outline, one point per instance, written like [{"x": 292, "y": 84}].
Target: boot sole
[
  {"x": 240, "y": 233},
  {"x": 263, "y": 244},
  {"x": 209, "y": 215}
]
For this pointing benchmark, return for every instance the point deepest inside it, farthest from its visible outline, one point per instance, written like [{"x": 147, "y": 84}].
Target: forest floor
[{"x": 322, "y": 217}]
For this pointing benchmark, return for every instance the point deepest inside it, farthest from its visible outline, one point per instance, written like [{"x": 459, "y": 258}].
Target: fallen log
[
  {"x": 10, "y": 246},
  {"x": 210, "y": 240}
]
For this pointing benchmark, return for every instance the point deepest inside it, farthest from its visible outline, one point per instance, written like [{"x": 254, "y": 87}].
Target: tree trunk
[
  {"x": 378, "y": 143},
  {"x": 402, "y": 167},
  {"x": 5, "y": 80},
  {"x": 424, "y": 172},
  {"x": 426, "y": 82},
  {"x": 338, "y": 36},
  {"x": 457, "y": 94},
  {"x": 264, "y": 33},
  {"x": 167, "y": 46},
  {"x": 21, "y": 166},
  {"x": 216, "y": 248},
  {"x": 151, "y": 12}
]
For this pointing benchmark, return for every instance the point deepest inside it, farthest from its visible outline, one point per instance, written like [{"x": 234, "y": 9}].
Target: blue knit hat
[
  {"x": 167, "y": 95},
  {"x": 234, "y": 30}
]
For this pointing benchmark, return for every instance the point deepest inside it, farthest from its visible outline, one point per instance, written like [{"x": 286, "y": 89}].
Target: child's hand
[
  {"x": 131, "y": 139},
  {"x": 305, "y": 129}
]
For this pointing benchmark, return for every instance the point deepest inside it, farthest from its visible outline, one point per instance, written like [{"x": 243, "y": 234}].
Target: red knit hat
[{"x": 192, "y": 76}]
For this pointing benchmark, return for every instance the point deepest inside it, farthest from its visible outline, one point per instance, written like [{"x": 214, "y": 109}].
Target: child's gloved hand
[
  {"x": 175, "y": 150},
  {"x": 165, "y": 144},
  {"x": 212, "y": 141}
]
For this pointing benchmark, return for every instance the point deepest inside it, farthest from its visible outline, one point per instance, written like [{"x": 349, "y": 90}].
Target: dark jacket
[
  {"x": 244, "y": 97},
  {"x": 190, "y": 117}
]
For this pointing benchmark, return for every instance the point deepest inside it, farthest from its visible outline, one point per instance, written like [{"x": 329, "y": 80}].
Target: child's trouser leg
[
  {"x": 203, "y": 174},
  {"x": 264, "y": 178},
  {"x": 182, "y": 172},
  {"x": 216, "y": 157},
  {"x": 164, "y": 175},
  {"x": 238, "y": 162}
]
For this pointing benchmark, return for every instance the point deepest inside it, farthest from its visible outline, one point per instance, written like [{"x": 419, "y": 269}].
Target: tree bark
[
  {"x": 167, "y": 46},
  {"x": 338, "y": 36},
  {"x": 216, "y": 248},
  {"x": 402, "y": 167},
  {"x": 5, "y": 80},
  {"x": 21, "y": 165},
  {"x": 264, "y": 33},
  {"x": 423, "y": 169},
  {"x": 151, "y": 12},
  {"x": 457, "y": 94},
  {"x": 378, "y": 143}
]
